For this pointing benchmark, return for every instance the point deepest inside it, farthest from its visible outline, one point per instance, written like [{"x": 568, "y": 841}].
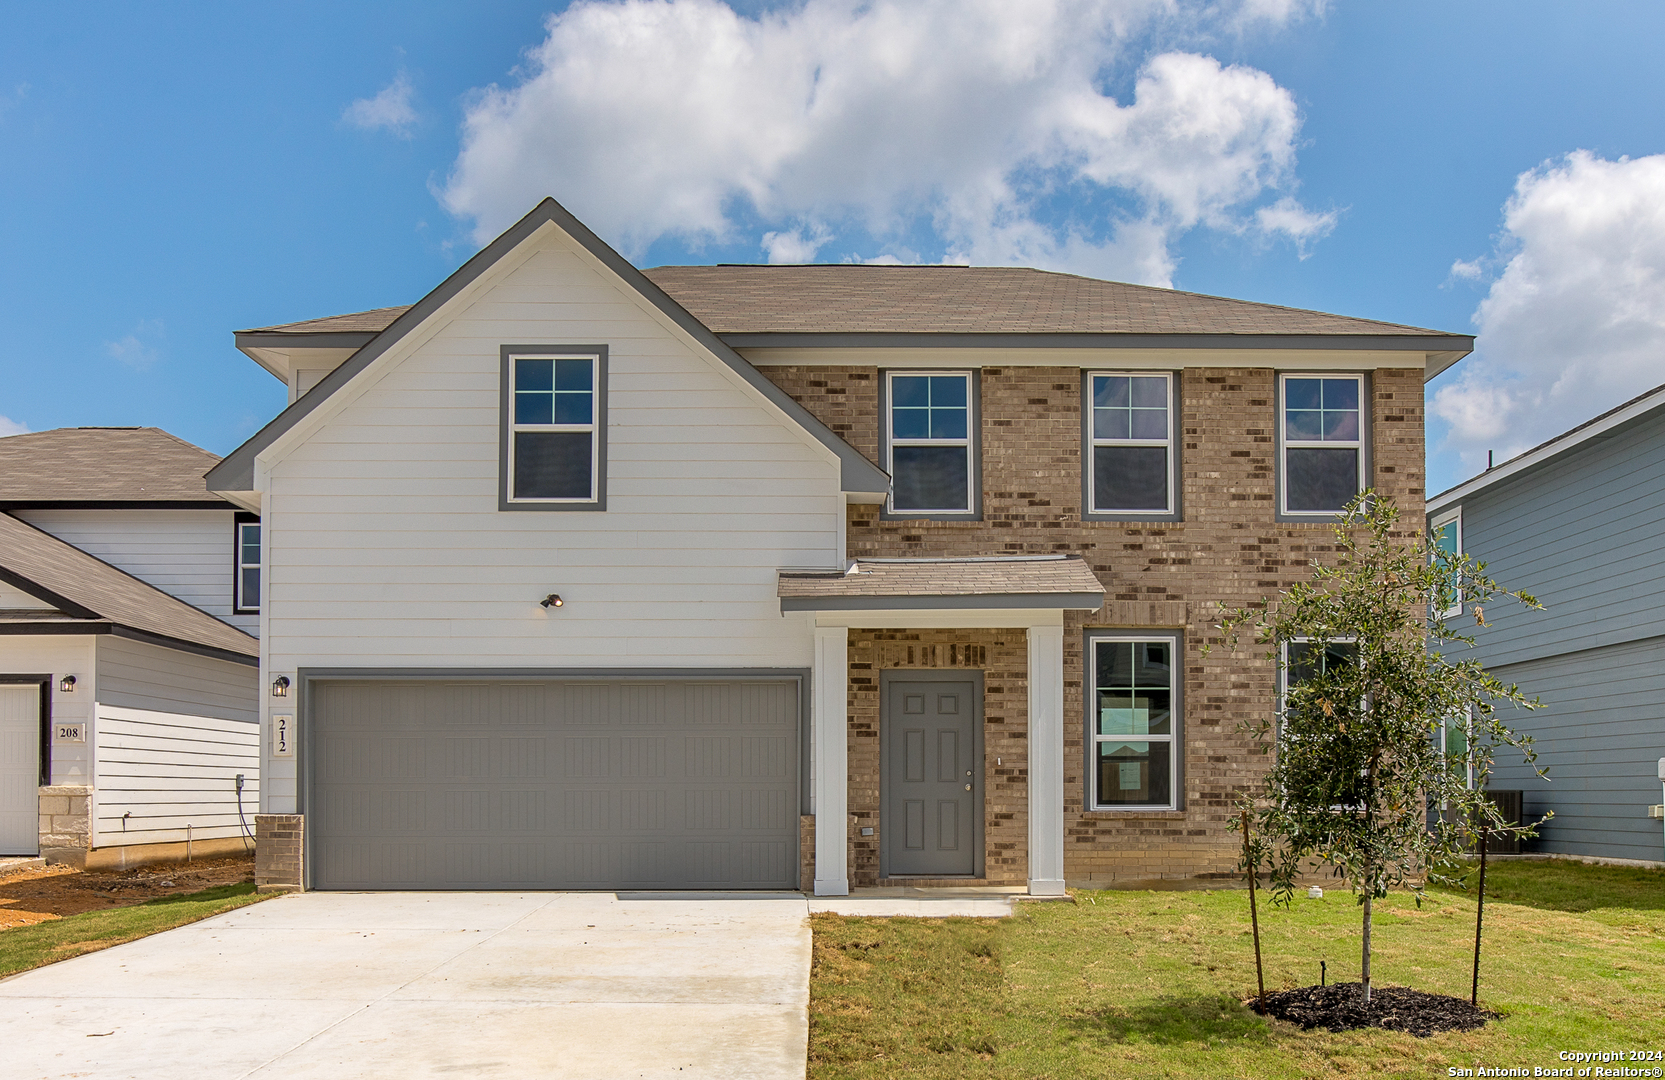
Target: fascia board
[
  {"x": 46, "y": 596},
  {"x": 966, "y": 618},
  {"x": 981, "y": 602},
  {"x": 238, "y": 471},
  {"x": 1544, "y": 454},
  {"x": 1424, "y": 343}
]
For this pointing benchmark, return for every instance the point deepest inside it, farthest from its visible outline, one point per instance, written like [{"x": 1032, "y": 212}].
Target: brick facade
[
  {"x": 279, "y": 845},
  {"x": 1229, "y": 549}
]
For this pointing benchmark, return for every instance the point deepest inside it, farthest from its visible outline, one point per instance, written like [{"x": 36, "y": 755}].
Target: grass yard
[
  {"x": 1136, "y": 984},
  {"x": 48, "y": 942}
]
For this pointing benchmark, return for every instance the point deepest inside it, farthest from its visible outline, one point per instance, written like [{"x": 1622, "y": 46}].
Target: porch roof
[{"x": 984, "y": 581}]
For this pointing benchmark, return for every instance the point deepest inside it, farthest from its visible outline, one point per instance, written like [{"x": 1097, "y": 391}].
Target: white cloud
[
  {"x": 1575, "y": 323},
  {"x": 140, "y": 349},
  {"x": 965, "y": 121},
  {"x": 1468, "y": 269},
  {"x": 390, "y": 110},
  {"x": 8, "y": 426},
  {"x": 797, "y": 246}
]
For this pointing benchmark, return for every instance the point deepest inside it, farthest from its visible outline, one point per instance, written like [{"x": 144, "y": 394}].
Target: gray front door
[
  {"x": 553, "y": 784},
  {"x": 933, "y": 792},
  {"x": 19, "y": 769}
]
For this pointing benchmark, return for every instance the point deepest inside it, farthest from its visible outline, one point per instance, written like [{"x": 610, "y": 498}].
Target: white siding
[
  {"x": 186, "y": 553},
  {"x": 58, "y": 655},
  {"x": 137, "y": 675},
  {"x": 385, "y": 546},
  {"x": 159, "y": 772}
]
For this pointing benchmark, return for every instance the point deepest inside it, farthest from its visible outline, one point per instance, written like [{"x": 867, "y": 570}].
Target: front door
[
  {"x": 19, "y": 769},
  {"x": 932, "y": 804}
]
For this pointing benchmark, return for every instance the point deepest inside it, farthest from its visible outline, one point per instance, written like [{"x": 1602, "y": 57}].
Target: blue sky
[{"x": 169, "y": 174}]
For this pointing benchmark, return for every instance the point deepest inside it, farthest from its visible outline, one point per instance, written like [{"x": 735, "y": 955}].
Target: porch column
[
  {"x": 831, "y": 767},
  {"x": 1046, "y": 761}
]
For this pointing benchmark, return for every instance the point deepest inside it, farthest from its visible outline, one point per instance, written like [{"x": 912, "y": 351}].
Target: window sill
[{"x": 1161, "y": 815}]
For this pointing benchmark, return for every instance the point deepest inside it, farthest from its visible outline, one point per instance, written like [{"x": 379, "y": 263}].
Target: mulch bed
[{"x": 1341, "y": 1007}]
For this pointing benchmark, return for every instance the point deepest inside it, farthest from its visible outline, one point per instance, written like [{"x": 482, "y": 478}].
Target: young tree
[{"x": 1360, "y": 780}]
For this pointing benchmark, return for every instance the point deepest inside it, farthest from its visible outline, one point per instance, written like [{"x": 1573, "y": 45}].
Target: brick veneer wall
[
  {"x": 279, "y": 852},
  {"x": 1230, "y": 549}
]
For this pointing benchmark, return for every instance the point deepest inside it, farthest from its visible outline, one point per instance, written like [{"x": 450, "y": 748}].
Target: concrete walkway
[{"x": 403, "y": 985}]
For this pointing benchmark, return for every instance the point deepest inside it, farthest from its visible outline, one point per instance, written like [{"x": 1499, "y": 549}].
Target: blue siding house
[{"x": 1580, "y": 522}]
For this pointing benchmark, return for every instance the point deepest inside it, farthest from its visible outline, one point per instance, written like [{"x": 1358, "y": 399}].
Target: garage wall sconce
[
  {"x": 280, "y": 686},
  {"x": 66, "y": 685},
  {"x": 552, "y": 600}
]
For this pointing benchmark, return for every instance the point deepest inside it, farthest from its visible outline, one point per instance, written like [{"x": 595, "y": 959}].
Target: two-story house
[
  {"x": 129, "y": 597},
  {"x": 1578, "y": 521},
  {"x": 581, "y": 576}
]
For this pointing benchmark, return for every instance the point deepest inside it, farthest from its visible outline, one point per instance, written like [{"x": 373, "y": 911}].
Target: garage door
[{"x": 560, "y": 784}]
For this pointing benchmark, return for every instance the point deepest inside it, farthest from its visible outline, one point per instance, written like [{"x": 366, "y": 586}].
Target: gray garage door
[{"x": 561, "y": 784}]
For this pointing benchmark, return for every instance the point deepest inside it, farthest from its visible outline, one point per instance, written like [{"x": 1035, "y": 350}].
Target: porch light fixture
[
  {"x": 280, "y": 686},
  {"x": 66, "y": 685},
  {"x": 552, "y": 600}
]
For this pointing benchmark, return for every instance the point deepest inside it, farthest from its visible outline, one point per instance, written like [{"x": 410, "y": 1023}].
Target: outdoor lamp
[
  {"x": 552, "y": 600},
  {"x": 280, "y": 686},
  {"x": 66, "y": 685}
]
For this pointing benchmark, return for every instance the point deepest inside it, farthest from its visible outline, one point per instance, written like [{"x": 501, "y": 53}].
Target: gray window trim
[
  {"x": 505, "y": 425},
  {"x": 1367, "y": 435},
  {"x": 1176, "y": 495},
  {"x": 305, "y": 677},
  {"x": 1089, "y": 679},
  {"x": 974, "y": 418},
  {"x": 973, "y": 676},
  {"x": 238, "y": 520}
]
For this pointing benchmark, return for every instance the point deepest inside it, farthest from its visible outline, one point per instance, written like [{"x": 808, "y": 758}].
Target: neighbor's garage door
[{"x": 424, "y": 784}]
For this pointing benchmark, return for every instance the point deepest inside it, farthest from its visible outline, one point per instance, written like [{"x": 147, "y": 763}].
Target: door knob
[{"x": 968, "y": 787}]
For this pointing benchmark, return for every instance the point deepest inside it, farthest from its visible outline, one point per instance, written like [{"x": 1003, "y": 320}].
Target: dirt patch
[
  {"x": 40, "y": 894},
  {"x": 1341, "y": 1007}
]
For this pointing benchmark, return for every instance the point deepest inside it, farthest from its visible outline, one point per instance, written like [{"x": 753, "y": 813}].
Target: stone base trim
[
  {"x": 65, "y": 824},
  {"x": 279, "y": 843}
]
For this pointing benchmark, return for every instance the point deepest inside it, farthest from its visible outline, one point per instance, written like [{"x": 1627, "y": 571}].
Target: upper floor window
[
  {"x": 246, "y": 564},
  {"x": 554, "y": 427},
  {"x": 1133, "y": 723},
  {"x": 930, "y": 439},
  {"x": 1322, "y": 429},
  {"x": 1445, "y": 534},
  {"x": 1130, "y": 466}
]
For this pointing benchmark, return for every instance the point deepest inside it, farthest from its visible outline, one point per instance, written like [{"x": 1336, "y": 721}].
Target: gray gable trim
[
  {"x": 1085, "y": 601},
  {"x": 45, "y": 595},
  {"x": 236, "y": 472}
]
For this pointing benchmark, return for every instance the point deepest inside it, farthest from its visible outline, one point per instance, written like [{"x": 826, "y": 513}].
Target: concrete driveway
[{"x": 426, "y": 984}]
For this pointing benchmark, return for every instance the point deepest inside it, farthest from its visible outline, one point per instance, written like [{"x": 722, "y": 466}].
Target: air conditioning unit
[{"x": 1657, "y": 811}]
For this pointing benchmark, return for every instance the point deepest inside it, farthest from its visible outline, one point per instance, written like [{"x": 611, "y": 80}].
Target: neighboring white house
[{"x": 129, "y": 597}]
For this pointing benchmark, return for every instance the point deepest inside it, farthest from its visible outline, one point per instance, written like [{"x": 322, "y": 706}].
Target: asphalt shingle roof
[
  {"x": 970, "y": 299},
  {"x": 1022, "y": 575},
  {"x": 103, "y": 465},
  {"x": 93, "y": 591},
  {"x": 846, "y": 299}
]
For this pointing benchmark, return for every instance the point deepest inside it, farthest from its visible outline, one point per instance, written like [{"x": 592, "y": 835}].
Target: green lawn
[
  {"x": 59, "y": 939},
  {"x": 1134, "y": 984}
]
